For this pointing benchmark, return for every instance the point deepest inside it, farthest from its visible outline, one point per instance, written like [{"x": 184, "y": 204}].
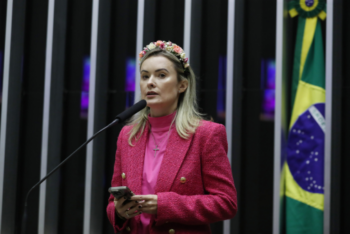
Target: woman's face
[{"x": 159, "y": 85}]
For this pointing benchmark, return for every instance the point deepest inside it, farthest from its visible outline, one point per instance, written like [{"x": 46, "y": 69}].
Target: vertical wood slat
[
  {"x": 187, "y": 27},
  {"x": 52, "y": 115},
  {"x": 94, "y": 201},
  {"x": 46, "y": 115},
  {"x": 236, "y": 138},
  {"x": 195, "y": 49},
  {"x": 5, "y": 102},
  {"x": 229, "y": 86},
  {"x": 328, "y": 160},
  {"x": 139, "y": 44},
  {"x": 91, "y": 115},
  {"x": 230, "y": 72},
  {"x": 278, "y": 115},
  {"x": 10, "y": 119}
]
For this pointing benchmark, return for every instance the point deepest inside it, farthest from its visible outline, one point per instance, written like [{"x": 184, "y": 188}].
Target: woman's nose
[{"x": 150, "y": 82}]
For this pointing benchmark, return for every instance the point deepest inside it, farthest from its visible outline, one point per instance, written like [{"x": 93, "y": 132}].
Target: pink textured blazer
[{"x": 194, "y": 187}]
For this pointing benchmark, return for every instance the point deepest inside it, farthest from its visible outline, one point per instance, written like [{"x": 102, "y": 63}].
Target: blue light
[
  {"x": 130, "y": 81},
  {"x": 84, "y": 101},
  {"x": 221, "y": 93},
  {"x": 268, "y": 74}
]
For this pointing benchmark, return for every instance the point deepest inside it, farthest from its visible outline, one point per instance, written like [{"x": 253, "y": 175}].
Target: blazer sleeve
[
  {"x": 220, "y": 199},
  {"x": 116, "y": 181}
]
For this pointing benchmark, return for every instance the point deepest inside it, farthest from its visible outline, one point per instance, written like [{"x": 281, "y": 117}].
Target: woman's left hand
[{"x": 148, "y": 203}]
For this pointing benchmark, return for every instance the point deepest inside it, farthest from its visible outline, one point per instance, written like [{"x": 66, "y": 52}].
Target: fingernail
[{"x": 140, "y": 206}]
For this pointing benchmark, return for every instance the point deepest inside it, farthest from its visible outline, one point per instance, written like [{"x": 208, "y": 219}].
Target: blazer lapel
[
  {"x": 136, "y": 157},
  {"x": 175, "y": 153}
]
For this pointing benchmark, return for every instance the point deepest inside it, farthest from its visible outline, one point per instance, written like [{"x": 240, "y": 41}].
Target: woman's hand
[
  {"x": 147, "y": 203},
  {"x": 126, "y": 210}
]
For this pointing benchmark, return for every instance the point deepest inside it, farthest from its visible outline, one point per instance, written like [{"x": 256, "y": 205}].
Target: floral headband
[{"x": 167, "y": 46}]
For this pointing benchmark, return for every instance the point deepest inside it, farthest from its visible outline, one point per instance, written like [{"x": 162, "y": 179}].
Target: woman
[{"x": 174, "y": 162}]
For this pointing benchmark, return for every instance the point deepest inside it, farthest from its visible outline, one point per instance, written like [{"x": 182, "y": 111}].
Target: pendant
[{"x": 155, "y": 150}]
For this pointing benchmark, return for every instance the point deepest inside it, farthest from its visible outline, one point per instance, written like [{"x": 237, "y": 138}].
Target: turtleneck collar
[{"x": 161, "y": 123}]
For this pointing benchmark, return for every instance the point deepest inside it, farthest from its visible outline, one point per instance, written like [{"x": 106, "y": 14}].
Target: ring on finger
[{"x": 127, "y": 215}]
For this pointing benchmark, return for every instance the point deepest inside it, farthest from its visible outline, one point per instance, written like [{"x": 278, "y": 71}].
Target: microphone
[
  {"x": 118, "y": 119},
  {"x": 131, "y": 111}
]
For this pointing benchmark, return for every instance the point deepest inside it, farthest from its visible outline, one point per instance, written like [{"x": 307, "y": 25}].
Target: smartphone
[{"x": 121, "y": 191}]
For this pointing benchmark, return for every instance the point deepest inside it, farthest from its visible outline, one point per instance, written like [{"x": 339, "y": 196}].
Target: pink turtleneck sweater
[{"x": 160, "y": 129}]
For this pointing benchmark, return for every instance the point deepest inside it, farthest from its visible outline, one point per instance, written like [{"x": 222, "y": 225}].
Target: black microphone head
[{"x": 131, "y": 111}]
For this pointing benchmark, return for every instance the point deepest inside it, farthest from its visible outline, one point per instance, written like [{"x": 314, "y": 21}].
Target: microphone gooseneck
[{"x": 119, "y": 119}]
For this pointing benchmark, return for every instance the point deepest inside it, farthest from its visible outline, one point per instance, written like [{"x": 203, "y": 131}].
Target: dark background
[
  {"x": 31, "y": 107},
  {"x": 257, "y": 134}
]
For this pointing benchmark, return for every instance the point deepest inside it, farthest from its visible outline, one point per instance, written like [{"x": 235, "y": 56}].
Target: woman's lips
[{"x": 151, "y": 94}]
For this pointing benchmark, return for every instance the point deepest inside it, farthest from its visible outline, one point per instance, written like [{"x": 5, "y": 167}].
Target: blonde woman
[{"x": 174, "y": 162}]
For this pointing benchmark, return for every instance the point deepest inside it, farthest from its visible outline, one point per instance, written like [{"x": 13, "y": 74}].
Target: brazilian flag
[{"x": 304, "y": 167}]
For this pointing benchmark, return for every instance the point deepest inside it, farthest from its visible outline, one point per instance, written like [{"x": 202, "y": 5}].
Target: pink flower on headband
[
  {"x": 177, "y": 49},
  {"x": 141, "y": 54},
  {"x": 160, "y": 44},
  {"x": 185, "y": 60}
]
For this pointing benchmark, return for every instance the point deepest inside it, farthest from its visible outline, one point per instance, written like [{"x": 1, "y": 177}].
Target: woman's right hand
[{"x": 126, "y": 210}]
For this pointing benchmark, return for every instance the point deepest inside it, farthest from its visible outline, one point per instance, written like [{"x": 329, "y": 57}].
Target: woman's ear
[{"x": 183, "y": 86}]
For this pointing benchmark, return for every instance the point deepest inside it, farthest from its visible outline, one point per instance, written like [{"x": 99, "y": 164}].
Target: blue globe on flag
[{"x": 306, "y": 149}]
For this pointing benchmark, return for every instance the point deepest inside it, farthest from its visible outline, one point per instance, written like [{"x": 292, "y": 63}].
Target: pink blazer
[{"x": 194, "y": 187}]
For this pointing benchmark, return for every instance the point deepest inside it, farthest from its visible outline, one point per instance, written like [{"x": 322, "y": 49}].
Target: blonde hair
[{"x": 187, "y": 117}]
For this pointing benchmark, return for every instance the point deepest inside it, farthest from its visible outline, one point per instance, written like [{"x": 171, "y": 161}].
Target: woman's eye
[
  {"x": 162, "y": 75},
  {"x": 144, "y": 77}
]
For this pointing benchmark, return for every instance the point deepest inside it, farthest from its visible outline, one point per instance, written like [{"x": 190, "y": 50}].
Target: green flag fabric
[{"x": 304, "y": 167}]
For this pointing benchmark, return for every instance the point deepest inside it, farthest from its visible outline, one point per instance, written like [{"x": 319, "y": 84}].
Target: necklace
[{"x": 154, "y": 139}]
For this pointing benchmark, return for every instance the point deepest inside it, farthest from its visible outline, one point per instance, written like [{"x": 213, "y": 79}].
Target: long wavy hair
[{"x": 187, "y": 116}]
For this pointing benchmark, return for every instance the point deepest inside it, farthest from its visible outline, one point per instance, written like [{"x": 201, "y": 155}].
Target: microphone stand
[{"x": 24, "y": 218}]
